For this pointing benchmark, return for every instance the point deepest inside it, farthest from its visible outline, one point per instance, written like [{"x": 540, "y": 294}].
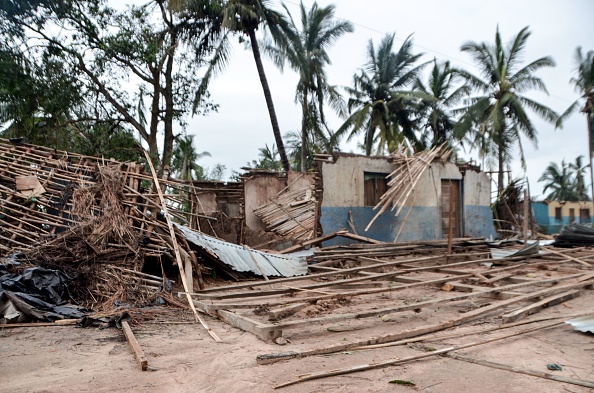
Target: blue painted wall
[
  {"x": 422, "y": 223},
  {"x": 549, "y": 224},
  {"x": 478, "y": 222}
]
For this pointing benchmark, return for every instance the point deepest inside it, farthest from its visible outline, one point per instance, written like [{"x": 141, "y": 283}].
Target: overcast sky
[{"x": 439, "y": 28}]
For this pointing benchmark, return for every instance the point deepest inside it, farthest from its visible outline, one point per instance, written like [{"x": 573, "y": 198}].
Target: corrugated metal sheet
[
  {"x": 241, "y": 259},
  {"x": 583, "y": 324}
]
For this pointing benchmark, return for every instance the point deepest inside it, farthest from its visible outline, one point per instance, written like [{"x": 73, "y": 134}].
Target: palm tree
[
  {"x": 442, "y": 93},
  {"x": 185, "y": 157},
  {"x": 584, "y": 84},
  {"x": 500, "y": 108},
  {"x": 267, "y": 159},
  {"x": 560, "y": 182},
  {"x": 579, "y": 169},
  {"x": 305, "y": 49},
  {"x": 246, "y": 16},
  {"x": 379, "y": 100},
  {"x": 316, "y": 144}
]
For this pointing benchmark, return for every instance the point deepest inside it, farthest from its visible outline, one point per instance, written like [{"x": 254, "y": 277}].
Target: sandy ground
[{"x": 186, "y": 359}]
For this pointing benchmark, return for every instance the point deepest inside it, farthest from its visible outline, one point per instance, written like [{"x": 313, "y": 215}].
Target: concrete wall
[
  {"x": 419, "y": 219},
  {"x": 206, "y": 203},
  {"x": 545, "y": 215},
  {"x": 259, "y": 188},
  {"x": 478, "y": 216}
]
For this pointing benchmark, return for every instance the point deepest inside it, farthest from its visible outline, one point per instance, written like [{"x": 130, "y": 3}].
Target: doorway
[{"x": 450, "y": 192}]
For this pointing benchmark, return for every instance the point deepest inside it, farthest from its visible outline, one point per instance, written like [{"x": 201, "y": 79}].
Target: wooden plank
[
  {"x": 519, "y": 370},
  {"x": 284, "y": 312},
  {"x": 246, "y": 324},
  {"x": 457, "y": 286},
  {"x": 422, "y": 329},
  {"x": 61, "y": 322},
  {"x": 393, "y": 362},
  {"x": 535, "y": 307},
  {"x": 413, "y": 306},
  {"x": 356, "y": 269},
  {"x": 138, "y": 352},
  {"x": 312, "y": 241},
  {"x": 581, "y": 262}
]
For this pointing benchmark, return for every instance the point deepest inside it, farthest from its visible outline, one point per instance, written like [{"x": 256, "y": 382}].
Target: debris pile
[
  {"x": 102, "y": 224},
  {"x": 290, "y": 214},
  {"x": 408, "y": 172},
  {"x": 575, "y": 235}
]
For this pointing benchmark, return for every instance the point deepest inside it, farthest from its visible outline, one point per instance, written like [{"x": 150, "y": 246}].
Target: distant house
[
  {"x": 352, "y": 185},
  {"x": 553, "y": 216}
]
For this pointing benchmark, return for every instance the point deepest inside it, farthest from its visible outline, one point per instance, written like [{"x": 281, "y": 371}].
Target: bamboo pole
[
  {"x": 393, "y": 362},
  {"x": 180, "y": 263}
]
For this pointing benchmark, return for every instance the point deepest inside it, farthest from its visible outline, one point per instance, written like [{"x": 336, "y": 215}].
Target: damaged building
[{"x": 353, "y": 186}]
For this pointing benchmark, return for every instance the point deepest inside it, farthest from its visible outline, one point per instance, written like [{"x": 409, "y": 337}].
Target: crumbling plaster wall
[
  {"x": 419, "y": 219},
  {"x": 260, "y": 188},
  {"x": 478, "y": 216}
]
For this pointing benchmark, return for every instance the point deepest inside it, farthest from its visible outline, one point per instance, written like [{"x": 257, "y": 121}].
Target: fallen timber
[
  {"x": 232, "y": 305},
  {"x": 445, "y": 351}
]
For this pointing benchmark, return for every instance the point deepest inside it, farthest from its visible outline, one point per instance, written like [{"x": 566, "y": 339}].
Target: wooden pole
[
  {"x": 451, "y": 218},
  {"x": 180, "y": 263},
  {"x": 138, "y": 352},
  {"x": 393, "y": 362},
  {"x": 533, "y": 373},
  {"x": 526, "y": 217}
]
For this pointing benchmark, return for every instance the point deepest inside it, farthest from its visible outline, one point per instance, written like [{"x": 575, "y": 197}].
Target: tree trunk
[
  {"x": 303, "y": 132},
  {"x": 153, "y": 131},
  {"x": 273, "y": 120},
  {"x": 500, "y": 158},
  {"x": 169, "y": 108},
  {"x": 590, "y": 120}
]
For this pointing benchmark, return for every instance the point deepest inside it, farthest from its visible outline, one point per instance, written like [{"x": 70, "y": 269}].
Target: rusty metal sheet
[{"x": 242, "y": 259}]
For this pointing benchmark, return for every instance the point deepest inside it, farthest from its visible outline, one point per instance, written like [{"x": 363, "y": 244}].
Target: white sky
[{"x": 234, "y": 134}]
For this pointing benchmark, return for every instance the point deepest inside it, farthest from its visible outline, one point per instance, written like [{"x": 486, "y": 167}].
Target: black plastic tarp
[{"x": 36, "y": 294}]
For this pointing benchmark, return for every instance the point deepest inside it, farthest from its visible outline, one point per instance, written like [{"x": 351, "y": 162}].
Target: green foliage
[
  {"x": 267, "y": 159},
  {"x": 566, "y": 182},
  {"x": 382, "y": 105},
  {"x": 78, "y": 61},
  {"x": 442, "y": 92},
  {"x": 305, "y": 48},
  {"x": 185, "y": 157},
  {"x": 498, "y": 112}
]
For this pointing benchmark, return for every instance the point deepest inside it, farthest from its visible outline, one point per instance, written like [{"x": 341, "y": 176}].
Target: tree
[
  {"x": 316, "y": 144},
  {"x": 113, "y": 52},
  {"x": 442, "y": 92},
  {"x": 268, "y": 159},
  {"x": 305, "y": 49},
  {"x": 246, "y": 16},
  {"x": 561, "y": 182},
  {"x": 185, "y": 157},
  {"x": 381, "y": 105},
  {"x": 579, "y": 169},
  {"x": 499, "y": 111},
  {"x": 584, "y": 84}
]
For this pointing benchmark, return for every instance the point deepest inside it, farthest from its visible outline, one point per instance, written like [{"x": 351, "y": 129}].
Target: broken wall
[
  {"x": 344, "y": 193},
  {"x": 478, "y": 216},
  {"x": 217, "y": 209},
  {"x": 260, "y": 187}
]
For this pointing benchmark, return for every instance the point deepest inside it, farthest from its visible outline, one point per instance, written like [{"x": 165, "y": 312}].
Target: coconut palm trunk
[
  {"x": 590, "y": 120},
  {"x": 501, "y": 160},
  {"x": 269, "y": 104}
]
